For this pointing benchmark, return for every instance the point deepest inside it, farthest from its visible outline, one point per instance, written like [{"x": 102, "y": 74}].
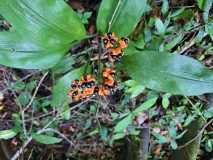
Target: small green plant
[{"x": 84, "y": 16}]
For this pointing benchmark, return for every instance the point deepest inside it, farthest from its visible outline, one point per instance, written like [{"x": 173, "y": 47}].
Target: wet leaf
[{"x": 170, "y": 73}]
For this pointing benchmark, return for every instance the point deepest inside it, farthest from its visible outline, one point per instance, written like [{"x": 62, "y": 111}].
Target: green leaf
[
  {"x": 19, "y": 86},
  {"x": 20, "y": 52},
  {"x": 87, "y": 15},
  {"x": 171, "y": 73},
  {"x": 180, "y": 135},
  {"x": 6, "y": 134},
  {"x": 131, "y": 83},
  {"x": 165, "y": 7},
  {"x": 123, "y": 123},
  {"x": 51, "y": 24},
  {"x": 103, "y": 132},
  {"x": 137, "y": 90},
  {"x": 173, "y": 144},
  {"x": 135, "y": 133},
  {"x": 119, "y": 136},
  {"x": 204, "y": 5},
  {"x": 31, "y": 85},
  {"x": 161, "y": 138},
  {"x": 172, "y": 131},
  {"x": 209, "y": 30},
  {"x": 66, "y": 112},
  {"x": 189, "y": 119},
  {"x": 46, "y": 30},
  {"x": 60, "y": 90},
  {"x": 124, "y": 20},
  {"x": 174, "y": 42},
  {"x": 146, "y": 105},
  {"x": 165, "y": 102},
  {"x": 64, "y": 65},
  {"x": 160, "y": 26},
  {"x": 188, "y": 13},
  {"x": 177, "y": 12},
  {"x": 44, "y": 139}
]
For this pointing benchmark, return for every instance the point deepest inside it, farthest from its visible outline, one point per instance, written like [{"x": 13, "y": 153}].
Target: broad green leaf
[
  {"x": 60, "y": 90},
  {"x": 160, "y": 27},
  {"x": 51, "y": 24},
  {"x": 146, "y": 105},
  {"x": 20, "y": 52},
  {"x": 44, "y": 139},
  {"x": 124, "y": 20},
  {"x": 119, "y": 136},
  {"x": 171, "y": 73},
  {"x": 46, "y": 30},
  {"x": 123, "y": 123},
  {"x": 64, "y": 65},
  {"x": 204, "y": 5},
  {"x": 6, "y": 134}
]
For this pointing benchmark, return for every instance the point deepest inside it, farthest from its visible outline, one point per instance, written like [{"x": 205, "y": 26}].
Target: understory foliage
[{"x": 82, "y": 87}]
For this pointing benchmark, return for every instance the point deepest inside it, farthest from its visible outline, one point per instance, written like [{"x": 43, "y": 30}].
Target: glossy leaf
[
  {"x": 171, "y": 73},
  {"x": 125, "y": 18},
  {"x": 123, "y": 123},
  {"x": 44, "y": 139},
  {"x": 60, "y": 90},
  {"x": 45, "y": 31}
]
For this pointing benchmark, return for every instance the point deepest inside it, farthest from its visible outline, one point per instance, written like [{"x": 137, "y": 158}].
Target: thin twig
[
  {"x": 195, "y": 108},
  {"x": 20, "y": 151},
  {"x": 110, "y": 22},
  {"x": 36, "y": 90},
  {"x": 20, "y": 80},
  {"x": 196, "y": 135}
]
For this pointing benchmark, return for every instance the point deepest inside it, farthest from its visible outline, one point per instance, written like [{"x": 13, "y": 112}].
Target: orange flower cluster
[
  {"x": 110, "y": 41},
  {"x": 85, "y": 87}
]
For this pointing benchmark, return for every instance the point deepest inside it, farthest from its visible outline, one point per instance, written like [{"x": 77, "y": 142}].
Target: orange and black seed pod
[
  {"x": 109, "y": 39},
  {"x": 124, "y": 42},
  {"x": 115, "y": 54}
]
